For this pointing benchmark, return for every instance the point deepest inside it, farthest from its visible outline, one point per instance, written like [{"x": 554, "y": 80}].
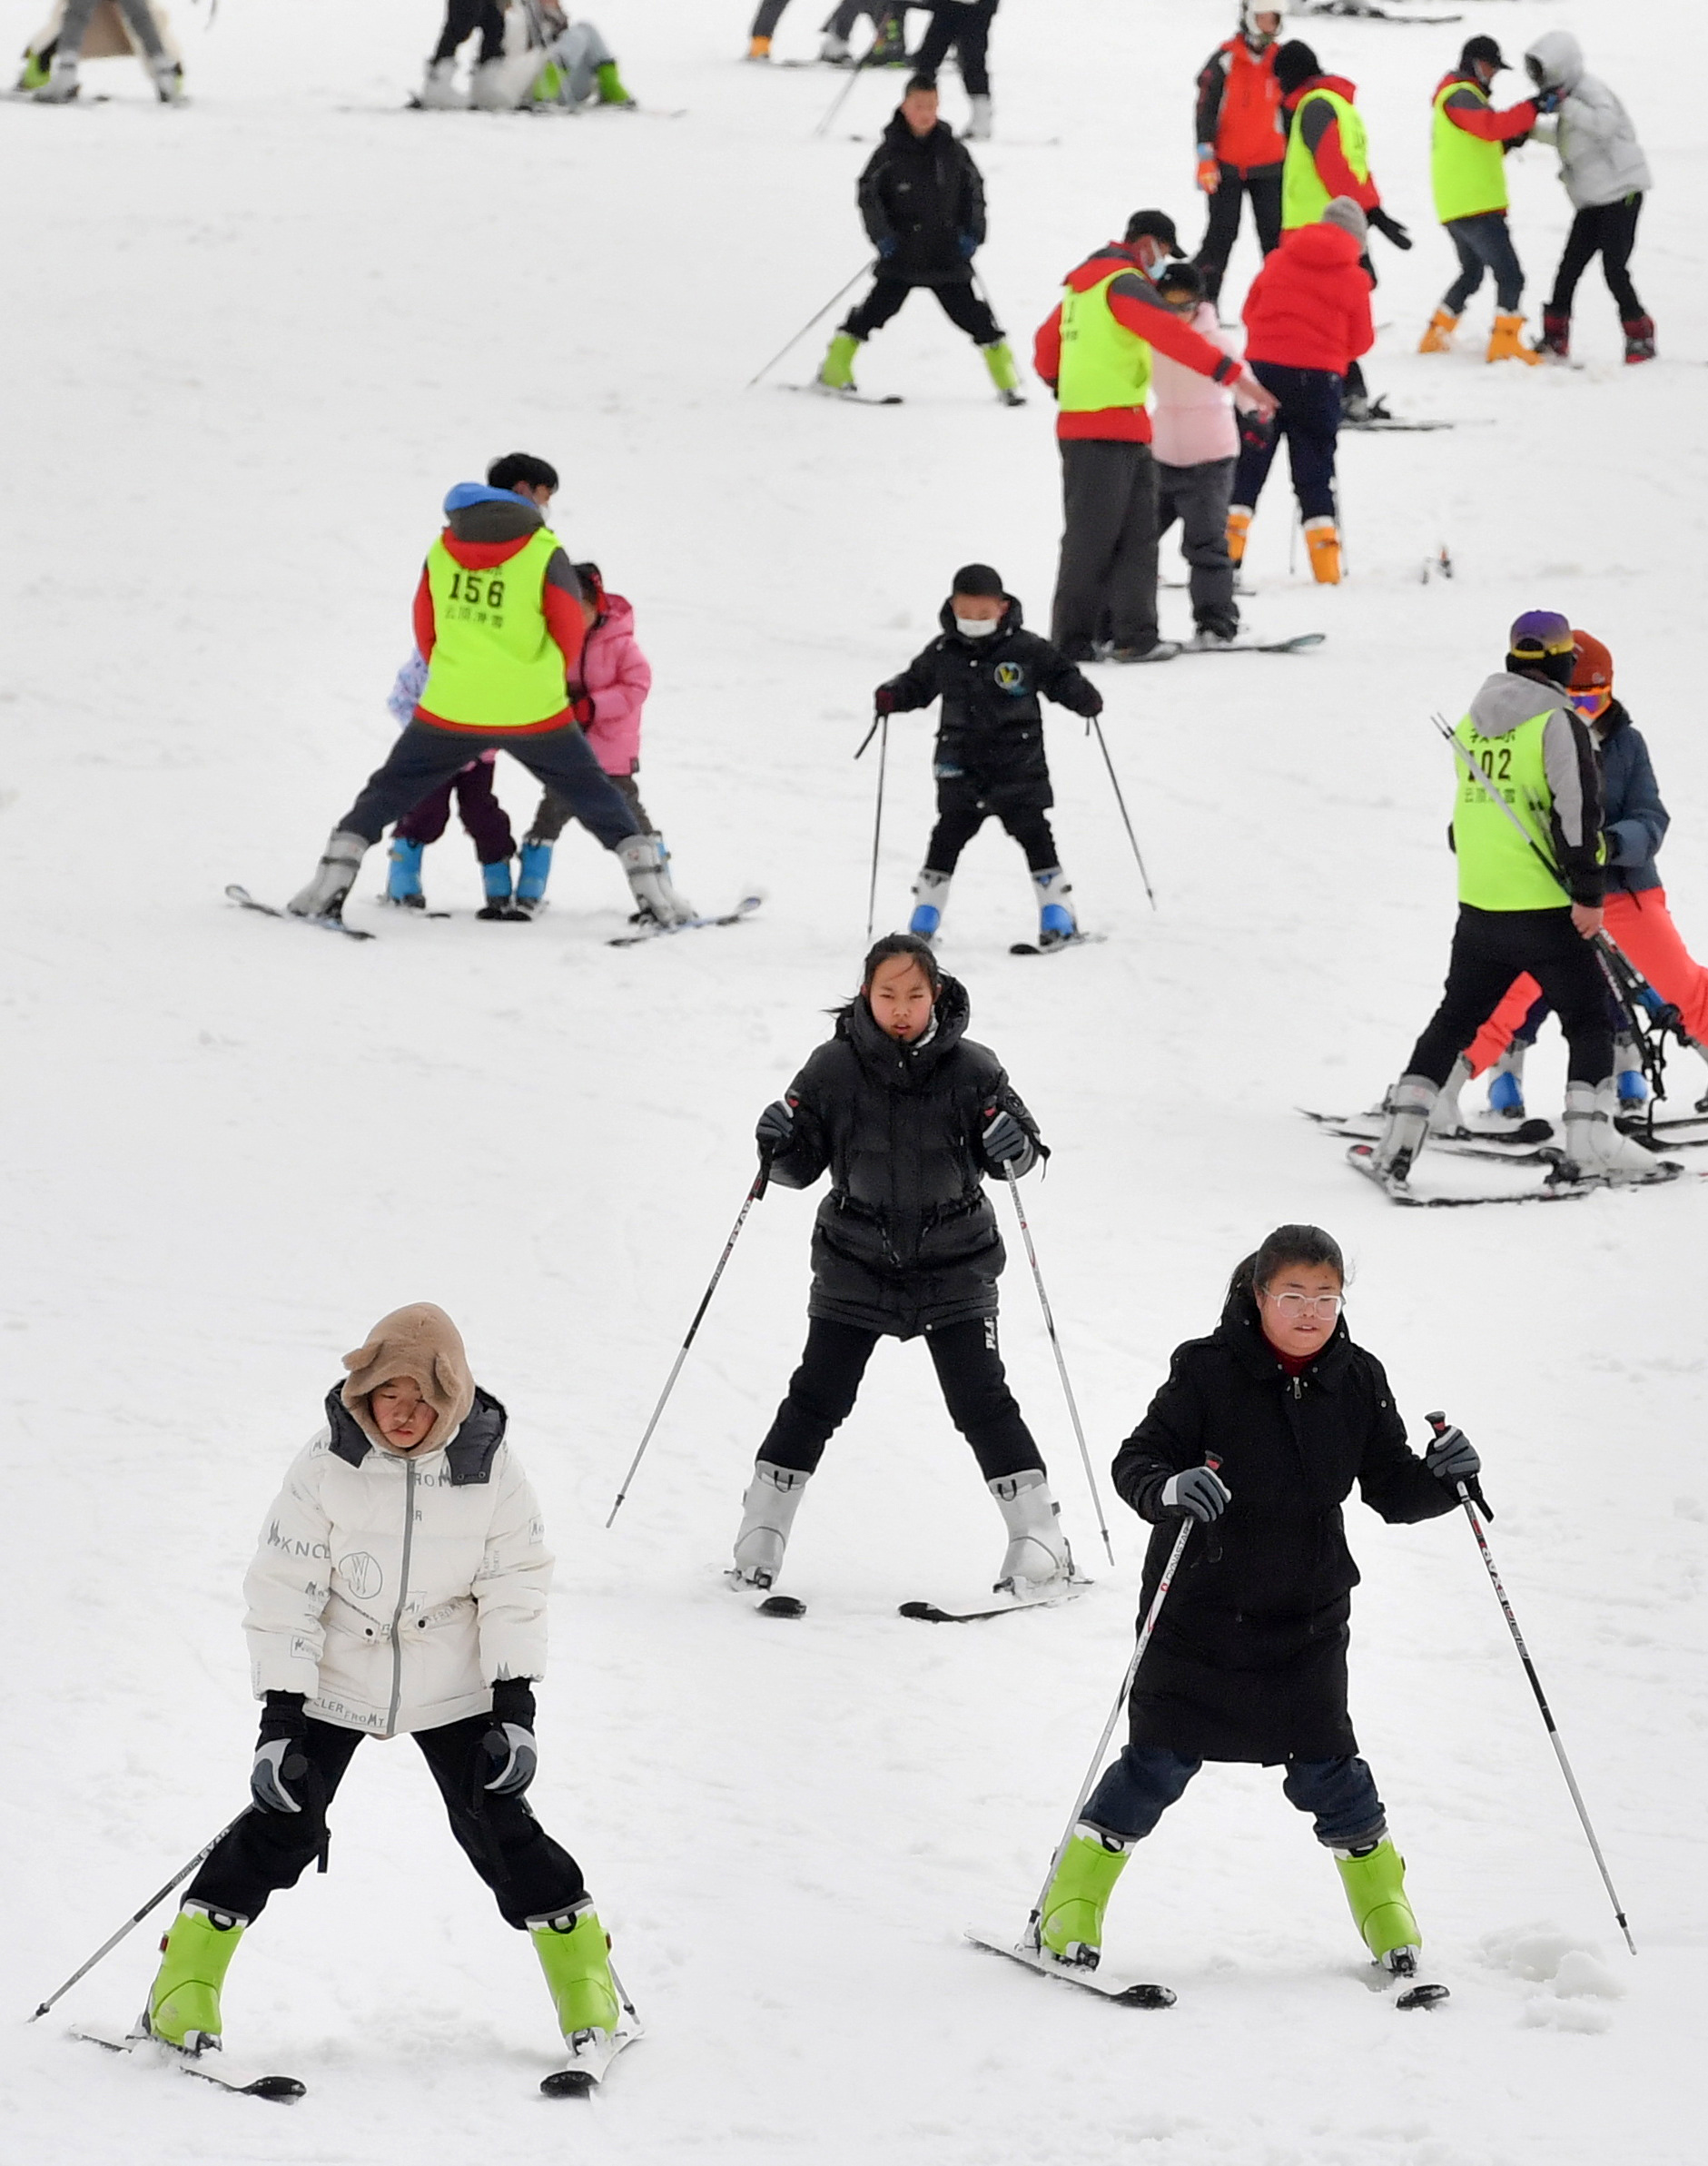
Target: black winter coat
[
  {"x": 906, "y": 1238},
  {"x": 1249, "y": 1659},
  {"x": 922, "y": 193},
  {"x": 989, "y": 737}
]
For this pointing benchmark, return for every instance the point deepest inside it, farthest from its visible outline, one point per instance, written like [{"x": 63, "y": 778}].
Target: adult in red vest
[{"x": 1242, "y": 139}]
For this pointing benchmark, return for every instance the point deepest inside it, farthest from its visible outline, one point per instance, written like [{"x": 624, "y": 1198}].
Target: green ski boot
[
  {"x": 573, "y": 1952},
  {"x": 836, "y": 372},
  {"x": 1375, "y": 1882},
  {"x": 35, "y": 70},
  {"x": 611, "y": 90},
  {"x": 999, "y": 360},
  {"x": 1071, "y": 1925},
  {"x": 183, "y": 2002}
]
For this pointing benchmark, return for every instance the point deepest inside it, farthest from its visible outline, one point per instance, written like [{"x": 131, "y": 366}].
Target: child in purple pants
[{"x": 484, "y": 820}]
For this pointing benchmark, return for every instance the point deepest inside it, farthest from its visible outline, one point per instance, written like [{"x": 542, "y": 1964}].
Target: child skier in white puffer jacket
[{"x": 400, "y": 1587}]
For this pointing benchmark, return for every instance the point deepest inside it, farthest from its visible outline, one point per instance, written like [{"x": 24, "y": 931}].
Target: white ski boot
[
  {"x": 1445, "y": 1118},
  {"x": 1056, "y": 920},
  {"x": 168, "y": 75},
  {"x": 978, "y": 127},
  {"x": 62, "y": 85},
  {"x": 644, "y": 859},
  {"x": 440, "y": 92},
  {"x": 1596, "y": 1149},
  {"x": 767, "y": 1515},
  {"x": 335, "y": 877},
  {"x": 1038, "y": 1555},
  {"x": 836, "y": 51},
  {"x": 1407, "y": 1106},
  {"x": 931, "y": 899}
]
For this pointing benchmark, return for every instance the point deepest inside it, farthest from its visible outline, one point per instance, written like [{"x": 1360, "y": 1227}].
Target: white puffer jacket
[
  {"x": 1601, "y": 160},
  {"x": 395, "y": 1592}
]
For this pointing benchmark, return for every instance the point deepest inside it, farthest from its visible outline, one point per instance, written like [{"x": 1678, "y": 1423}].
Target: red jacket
[
  {"x": 1238, "y": 112},
  {"x": 1322, "y": 139},
  {"x": 1310, "y": 305},
  {"x": 1135, "y": 303}
]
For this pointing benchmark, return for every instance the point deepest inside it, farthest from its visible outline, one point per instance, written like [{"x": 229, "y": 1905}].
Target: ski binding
[
  {"x": 204, "y": 2065},
  {"x": 744, "y": 908},
  {"x": 241, "y": 896},
  {"x": 928, "y": 1613},
  {"x": 1031, "y": 947},
  {"x": 1046, "y": 1967},
  {"x": 591, "y": 2054}
]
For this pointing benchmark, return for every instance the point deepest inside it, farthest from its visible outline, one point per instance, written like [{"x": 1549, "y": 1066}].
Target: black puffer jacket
[
  {"x": 989, "y": 737},
  {"x": 906, "y": 1238},
  {"x": 922, "y": 193},
  {"x": 1249, "y": 1659}
]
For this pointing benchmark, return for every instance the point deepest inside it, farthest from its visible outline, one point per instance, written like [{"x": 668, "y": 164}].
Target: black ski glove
[
  {"x": 1255, "y": 429},
  {"x": 1005, "y": 1142},
  {"x": 1199, "y": 1494},
  {"x": 775, "y": 1129},
  {"x": 509, "y": 1743},
  {"x": 1453, "y": 1458},
  {"x": 1394, "y": 231},
  {"x": 280, "y": 1759}
]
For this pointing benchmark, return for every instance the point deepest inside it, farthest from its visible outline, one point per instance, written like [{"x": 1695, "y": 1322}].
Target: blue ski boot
[
  {"x": 931, "y": 898},
  {"x": 1506, "y": 1086},
  {"x": 500, "y": 902},
  {"x": 1634, "y": 1085},
  {"x": 533, "y": 872},
  {"x": 1056, "y": 920},
  {"x": 403, "y": 875}
]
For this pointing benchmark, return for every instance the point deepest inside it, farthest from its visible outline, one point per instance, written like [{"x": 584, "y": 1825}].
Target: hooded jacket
[
  {"x": 990, "y": 735},
  {"x": 922, "y": 193},
  {"x": 616, "y": 677},
  {"x": 1601, "y": 160},
  {"x": 1239, "y": 109},
  {"x": 1633, "y": 819},
  {"x": 1574, "y": 811},
  {"x": 486, "y": 527},
  {"x": 906, "y": 1240},
  {"x": 1308, "y": 307},
  {"x": 1137, "y": 306},
  {"x": 1248, "y": 1661}
]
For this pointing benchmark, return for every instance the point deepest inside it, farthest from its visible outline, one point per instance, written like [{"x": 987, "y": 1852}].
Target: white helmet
[{"x": 1249, "y": 10}]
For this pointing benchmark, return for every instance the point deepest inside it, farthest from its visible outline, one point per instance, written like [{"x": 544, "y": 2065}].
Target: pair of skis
[
  {"x": 928, "y": 1613},
  {"x": 1413, "y": 1990},
  {"x": 744, "y": 908}
]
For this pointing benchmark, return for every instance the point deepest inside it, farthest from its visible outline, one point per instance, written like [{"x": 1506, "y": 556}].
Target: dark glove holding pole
[
  {"x": 1199, "y": 1494},
  {"x": 1256, "y": 429},
  {"x": 774, "y": 1130},
  {"x": 1454, "y": 1459},
  {"x": 884, "y": 700},
  {"x": 280, "y": 1759},
  {"x": 509, "y": 1745},
  {"x": 1548, "y": 101},
  {"x": 1394, "y": 231},
  {"x": 887, "y": 247},
  {"x": 1005, "y": 1141}
]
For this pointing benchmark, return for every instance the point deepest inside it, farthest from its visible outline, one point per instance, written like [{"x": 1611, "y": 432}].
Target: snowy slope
[{"x": 250, "y": 344}]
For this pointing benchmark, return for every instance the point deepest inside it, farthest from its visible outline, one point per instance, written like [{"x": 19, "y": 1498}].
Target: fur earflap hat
[{"x": 421, "y": 1343}]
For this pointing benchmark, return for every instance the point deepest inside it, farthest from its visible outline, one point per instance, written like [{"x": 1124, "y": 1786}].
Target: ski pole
[
  {"x": 855, "y": 73},
  {"x": 1438, "y": 1424},
  {"x": 883, "y": 727},
  {"x": 760, "y": 1180},
  {"x": 1095, "y": 722},
  {"x": 1061, "y": 1367},
  {"x": 131, "y": 1923},
  {"x": 1092, "y": 1773},
  {"x": 806, "y": 327}
]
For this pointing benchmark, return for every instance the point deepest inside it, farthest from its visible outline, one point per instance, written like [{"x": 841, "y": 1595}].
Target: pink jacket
[
  {"x": 1191, "y": 416},
  {"x": 616, "y": 677}
]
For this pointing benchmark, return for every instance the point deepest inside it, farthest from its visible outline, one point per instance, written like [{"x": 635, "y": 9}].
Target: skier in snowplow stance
[
  {"x": 1257, "y": 1436},
  {"x": 400, "y": 1588}
]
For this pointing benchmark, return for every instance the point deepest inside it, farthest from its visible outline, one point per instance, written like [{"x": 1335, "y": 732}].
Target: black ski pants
[
  {"x": 1146, "y": 1780},
  {"x": 1309, "y": 418},
  {"x": 531, "y": 1876},
  {"x": 958, "y": 823},
  {"x": 958, "y": 302},
  {"x": 462, "y": 19},
  {"x": 1609, "y": 231},
  {"x": 424, "y": 759},
  {"x": 823, "y": 1390},
  {"x": 1484, "y": 243},
  {"x": 966, "y": 26},
  {"x": 1490, "y": 949},
  {"x": 1199, "y": 497},
  {"x": 1106, "y": 580},
  {"x": 1262, "y": 184}
]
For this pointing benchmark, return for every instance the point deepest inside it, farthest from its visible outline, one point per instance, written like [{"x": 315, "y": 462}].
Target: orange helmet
[{"x": 1592, "y": 671}]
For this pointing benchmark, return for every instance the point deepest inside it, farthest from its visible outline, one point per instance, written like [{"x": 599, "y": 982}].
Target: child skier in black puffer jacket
[
  {"x": 988, "y": 671},
  {"x": 909, "y": 1118}
]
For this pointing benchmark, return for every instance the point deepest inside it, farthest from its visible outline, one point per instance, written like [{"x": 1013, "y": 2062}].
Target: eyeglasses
[{"x": 1293, "y": 1307}]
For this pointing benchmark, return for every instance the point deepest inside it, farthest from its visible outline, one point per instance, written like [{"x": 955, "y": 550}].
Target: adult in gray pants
[{"x": 62, "y": 85}]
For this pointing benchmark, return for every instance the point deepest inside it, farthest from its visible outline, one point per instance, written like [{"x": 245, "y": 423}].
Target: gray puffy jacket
[{"x": 1601, "y": 159}]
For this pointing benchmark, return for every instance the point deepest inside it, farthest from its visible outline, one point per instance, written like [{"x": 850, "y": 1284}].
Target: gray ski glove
[
  {"x": 509, "y": 1743},
  {"x": 1200, "y": 1493},
  {"x": 775, "y": 1129},
  {"x": 1453, "y": 1458},
  {"x": 280, "y": 1759},
  {"x": 1006, "y": 1142}
]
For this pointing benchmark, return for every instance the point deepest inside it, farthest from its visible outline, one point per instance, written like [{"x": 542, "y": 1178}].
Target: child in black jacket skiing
[
  {"x": 909, "y": 1118},
  {"x": 988, "y": 671}
]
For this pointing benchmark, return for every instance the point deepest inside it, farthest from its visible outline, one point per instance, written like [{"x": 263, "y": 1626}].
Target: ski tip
[
  {"x": 567, "y": 2082},
  {"x": 1144, "y": 1997},
  {"x": 1423, "y": 1996},
  {"x": 275, "y": 2087},
  {"x": 781, "y": 1606},
  {"x": 925, "y": 1613}
]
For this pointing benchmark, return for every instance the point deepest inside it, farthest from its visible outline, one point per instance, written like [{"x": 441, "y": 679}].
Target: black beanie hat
[
  {"x": 1295, "y": 63},
  {"x": 978, "y": 579}
]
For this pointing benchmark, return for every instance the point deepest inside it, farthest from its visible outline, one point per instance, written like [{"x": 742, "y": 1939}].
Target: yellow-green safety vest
[
  {"x": 1304, "y": 199},
  {"x": 1469, "y": 175},
  {"x": 1102, "y": 362},
  {"x": 495, "y": 665},
  {"x": 1496, "y": 870}
]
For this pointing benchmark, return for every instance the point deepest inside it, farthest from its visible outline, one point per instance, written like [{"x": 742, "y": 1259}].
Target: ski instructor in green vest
[
  {"x": 499, "y": 621},
  {"x": 1527, "y": 837},
  {"x": 1093, "y": 351},
  {"x": 1468, "y": 168}
]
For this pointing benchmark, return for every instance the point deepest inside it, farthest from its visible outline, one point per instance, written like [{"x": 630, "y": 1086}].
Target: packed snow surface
[{"x": 250, "y": 344}]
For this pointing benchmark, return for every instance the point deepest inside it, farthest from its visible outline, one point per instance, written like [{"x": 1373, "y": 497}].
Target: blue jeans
[
  {"x": 1484, "y": 242},
  {"x": 1141, "y": 1787},
  {"x": 1309, "y": 418}
]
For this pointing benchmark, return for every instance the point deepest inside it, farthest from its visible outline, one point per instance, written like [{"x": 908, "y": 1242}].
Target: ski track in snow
[{"x": 253, "y": 343}]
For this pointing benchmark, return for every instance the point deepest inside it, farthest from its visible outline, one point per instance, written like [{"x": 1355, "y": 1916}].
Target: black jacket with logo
[
  {"x": 989, "y": 737},
  {"x": 922, "y": 193}
]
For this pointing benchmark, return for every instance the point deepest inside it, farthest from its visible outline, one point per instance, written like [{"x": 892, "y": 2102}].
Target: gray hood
[
  {"x": 1506, "y": 701},
  {"x": 1561, "y": 59},
  {"x": 506, "y": 520}
]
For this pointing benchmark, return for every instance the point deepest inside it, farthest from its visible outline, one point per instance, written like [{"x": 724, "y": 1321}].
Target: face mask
[{"x": 976, "y": 627}]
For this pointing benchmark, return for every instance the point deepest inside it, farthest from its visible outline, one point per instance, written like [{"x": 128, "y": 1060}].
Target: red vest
[{"x": 1248, "y": 130}]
